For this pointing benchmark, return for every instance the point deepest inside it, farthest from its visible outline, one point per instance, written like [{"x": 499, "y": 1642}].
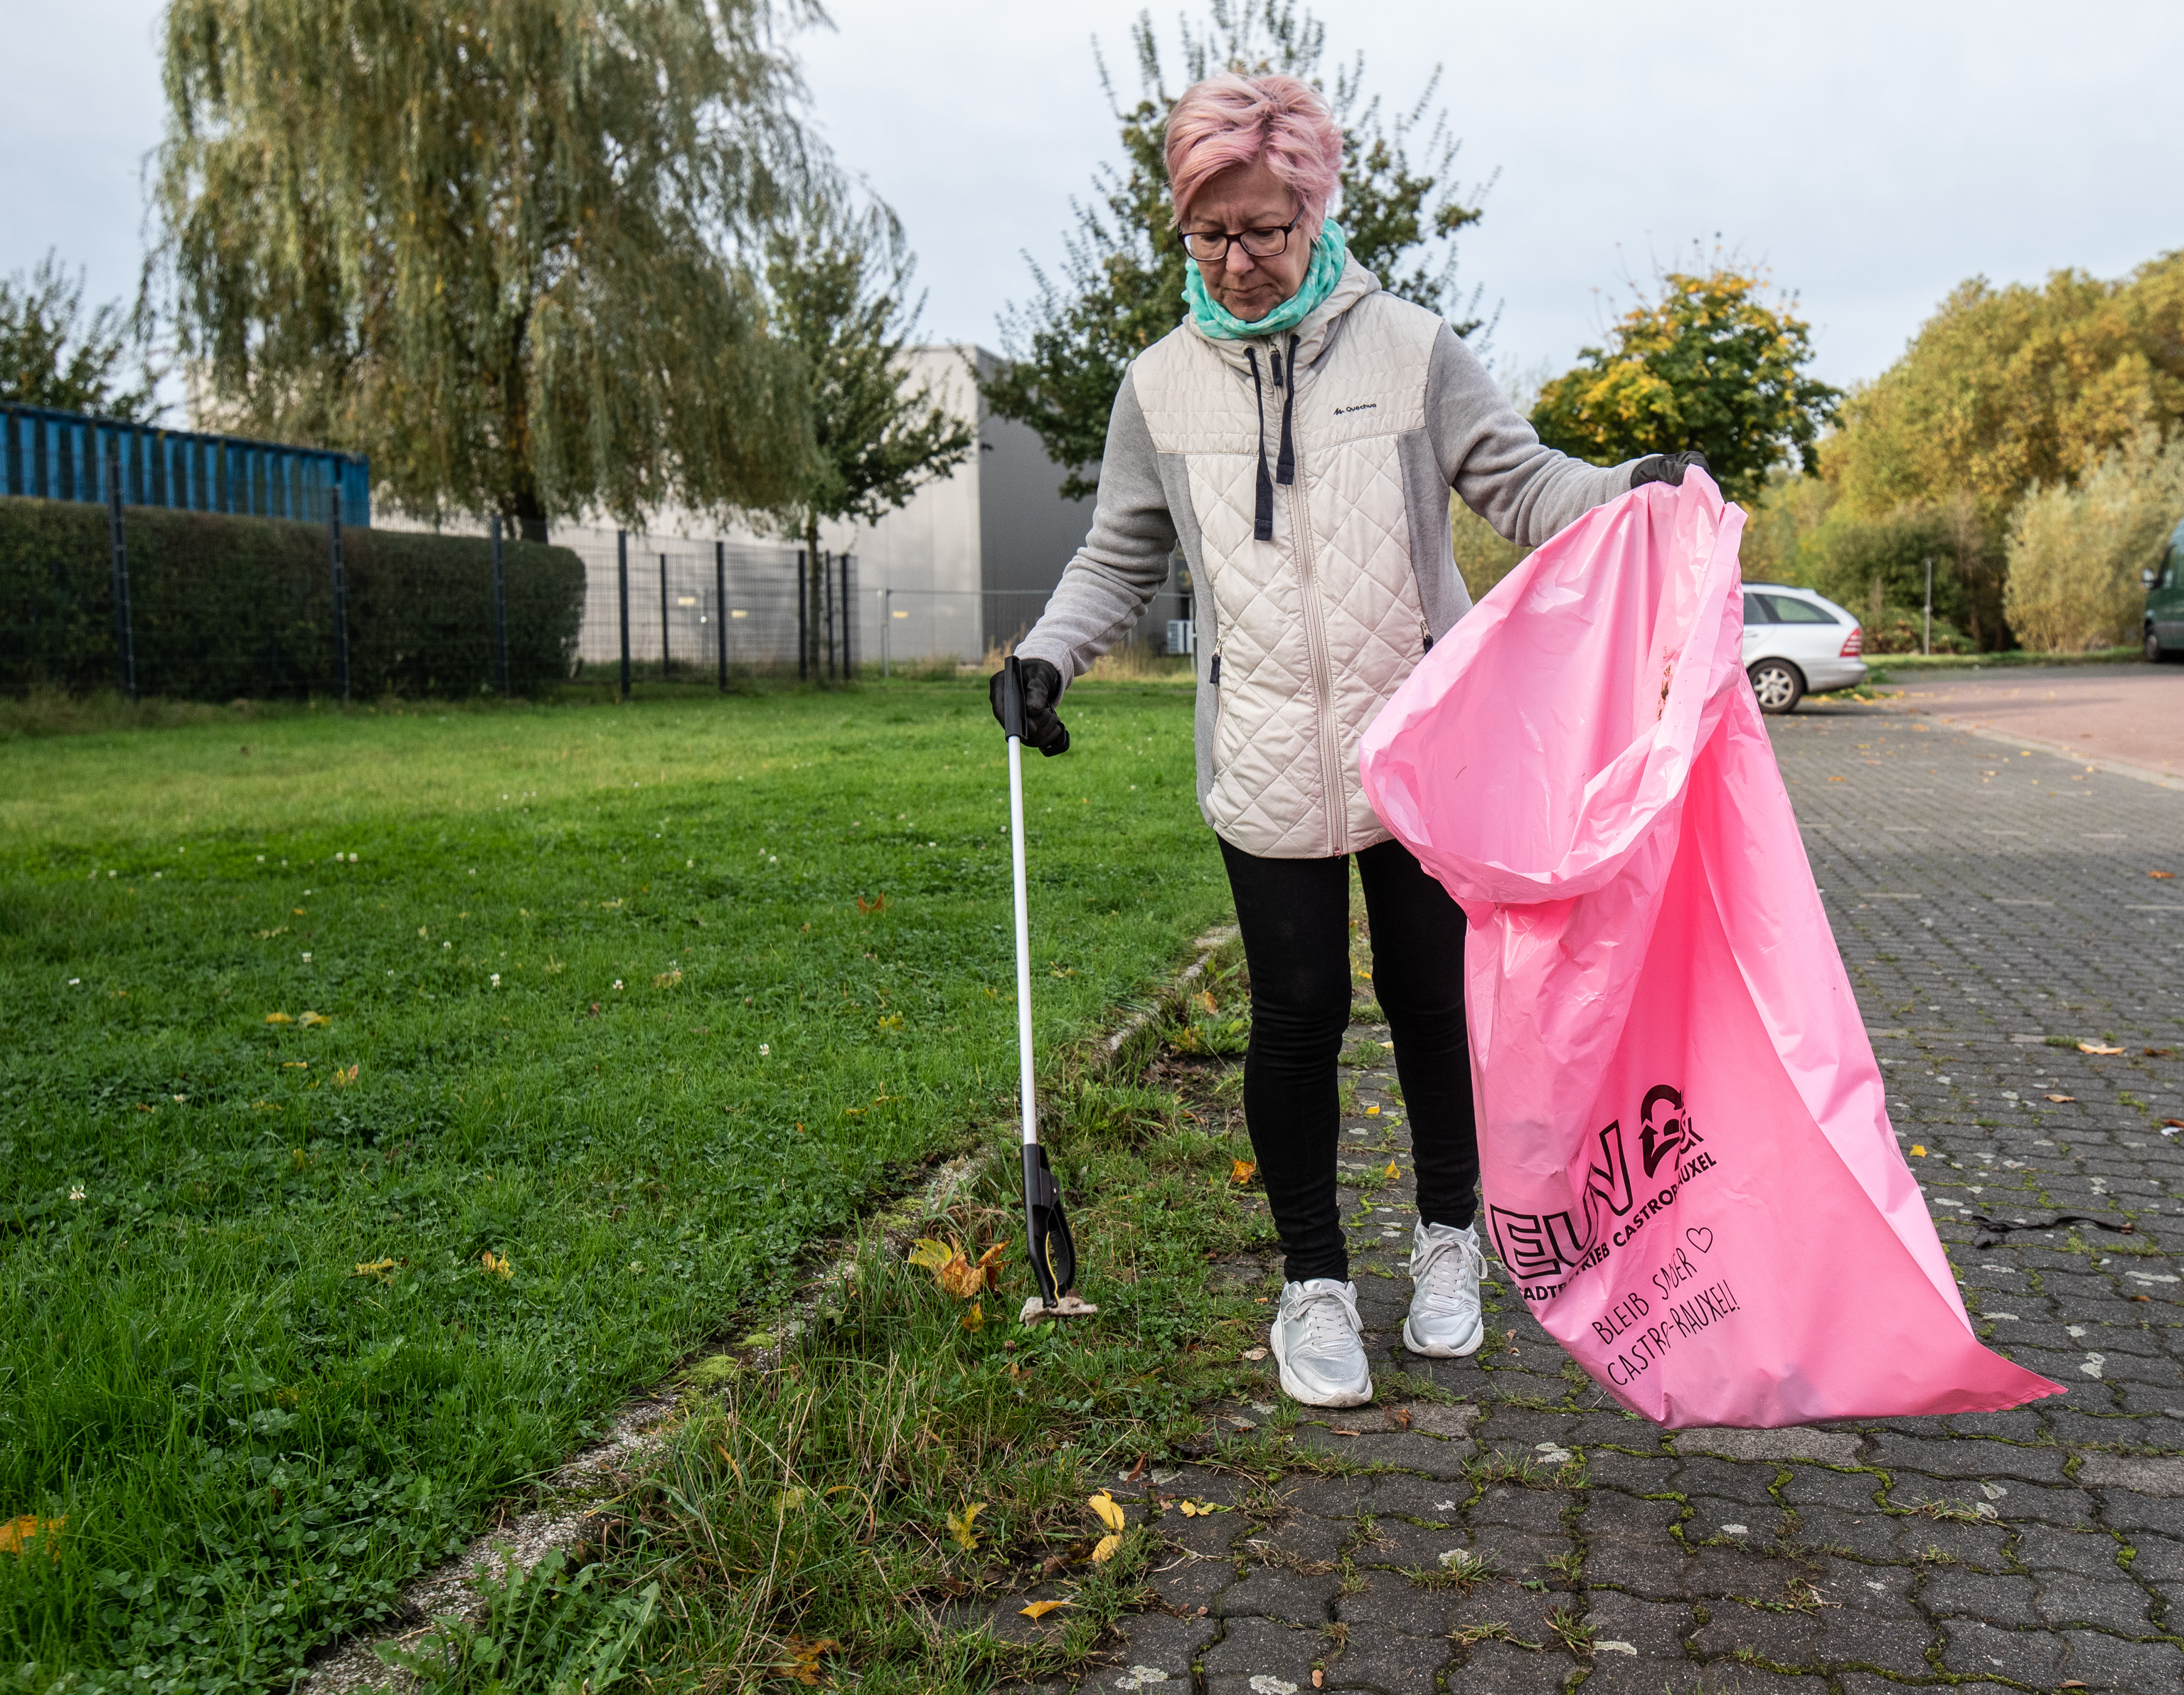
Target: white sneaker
[
  {"x": 1316, "y": 1341},
  {"x": 1446, "y": 1266}
]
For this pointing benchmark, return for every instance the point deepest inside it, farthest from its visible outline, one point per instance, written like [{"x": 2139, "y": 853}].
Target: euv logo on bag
[{"x": 1545, "y": 1249}]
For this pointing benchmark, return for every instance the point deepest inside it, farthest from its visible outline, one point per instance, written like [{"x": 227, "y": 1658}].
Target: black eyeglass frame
[{"x": 1229, "y": 239}]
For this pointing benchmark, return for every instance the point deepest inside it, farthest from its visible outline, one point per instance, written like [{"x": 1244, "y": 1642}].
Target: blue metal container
[{"x": 54, "y": 456}]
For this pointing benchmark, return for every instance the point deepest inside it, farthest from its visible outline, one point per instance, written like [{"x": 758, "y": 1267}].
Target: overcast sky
[{"x": 1872, "y": 154}]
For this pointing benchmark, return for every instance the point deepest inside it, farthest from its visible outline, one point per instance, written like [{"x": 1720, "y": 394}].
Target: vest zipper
[{"x": 1315, "y": 634}]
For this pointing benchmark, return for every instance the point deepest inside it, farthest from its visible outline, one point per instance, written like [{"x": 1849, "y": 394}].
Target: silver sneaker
[
  {"x": 1446, "y": 1266},
  {"x": 1316, "y": 1341}
]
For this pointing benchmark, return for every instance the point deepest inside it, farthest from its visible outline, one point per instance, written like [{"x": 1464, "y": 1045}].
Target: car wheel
[
  {"x": 2155, "y": 653},
  {"x": 1779, "y": 684}
]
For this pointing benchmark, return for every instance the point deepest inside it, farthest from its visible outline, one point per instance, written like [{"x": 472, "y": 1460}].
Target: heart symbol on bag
[{"x": 1700, "y": 1238}]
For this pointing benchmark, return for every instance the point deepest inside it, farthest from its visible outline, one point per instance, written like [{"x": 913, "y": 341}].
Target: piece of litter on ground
[
  {"x": 1138, "y": 1676},
  {"x": 1266, "y": 1683},
  {"x": 1735, "y": 1530},
  {"x": 1263, "y": 1409},
  {"x": 1444, "y": 1506},
  {"x": 1068, "y": 1306},
  {"x": 1255, "y": 1354},
  {"x": 1614, "y": 1647}
]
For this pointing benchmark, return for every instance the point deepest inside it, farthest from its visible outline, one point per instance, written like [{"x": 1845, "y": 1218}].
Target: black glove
[
  {"x": 1042, "y": 688},
  {"x": 1668, "y": 468}
]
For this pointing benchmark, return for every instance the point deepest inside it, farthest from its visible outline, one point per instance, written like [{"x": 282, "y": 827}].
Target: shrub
[
  {"x": 224, "y": 607},
  {"x": 1877, "y": 565},
  {"x": 1897, "y": 631},
  {"x": 2075, "y": 553}
]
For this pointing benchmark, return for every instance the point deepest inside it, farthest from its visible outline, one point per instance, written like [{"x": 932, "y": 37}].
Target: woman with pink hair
[{"x": 1297, "y": 436}]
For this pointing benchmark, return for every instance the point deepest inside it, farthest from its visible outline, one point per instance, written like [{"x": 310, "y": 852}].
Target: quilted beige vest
[{"x": 1312, "y": 630}]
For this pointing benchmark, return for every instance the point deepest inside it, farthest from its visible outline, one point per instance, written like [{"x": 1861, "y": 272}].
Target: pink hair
[{"x": 1230, "y": 121}]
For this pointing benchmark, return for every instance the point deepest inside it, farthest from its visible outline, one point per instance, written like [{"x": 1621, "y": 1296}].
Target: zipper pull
[
  {"x": 1213, "y": 675},
  {"x": 1425, "y": 634}
]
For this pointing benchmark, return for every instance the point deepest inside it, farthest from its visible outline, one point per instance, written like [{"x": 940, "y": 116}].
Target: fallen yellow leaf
[
  {"x": 315, "y": 1021},
  {"x": 1240, "y": 1170},
  {"x": 1371, "y": 1111},
  {"x": 344, "y": 1079},
  {"x": 17, "y": 1534},
  {"x": 2063, "y": 1100},
  {"x": 1391, "y": 1171},
  {"x": 279, "y": 1018},
  {"x": 1111, "y": 1515},
  {"x": 1040, "y": 1609},
  {"x": 959, "y": 1525},
  {"x": 1205, "y": 998},
  {"x": 1917, "y": 1151},
  {"x": 975, "y": 1319},
  {"x": 803, "y": 1662},
  {"x": 959, "y": 1276},
  {"x": 373, "y": 1267},
  {"x": 2095, "y": 1047},
  {"x": 667, "y": 979},
  {"x": 1105, "y": 1549},
  {"x": 496, "y": 1266}
]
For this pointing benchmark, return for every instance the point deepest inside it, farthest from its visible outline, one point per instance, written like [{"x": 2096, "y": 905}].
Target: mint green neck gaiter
[{"x": 1328, "y": 252}]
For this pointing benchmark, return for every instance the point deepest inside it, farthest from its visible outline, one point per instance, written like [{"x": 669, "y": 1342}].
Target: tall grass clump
[{"x": 2075, "y": 551}]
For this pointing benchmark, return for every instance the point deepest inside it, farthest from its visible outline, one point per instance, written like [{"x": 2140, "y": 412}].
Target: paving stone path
[{"x": 1518, "y": 1532}]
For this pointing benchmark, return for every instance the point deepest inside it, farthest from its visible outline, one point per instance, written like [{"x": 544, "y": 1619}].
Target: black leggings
[{"x": 1295, "y": 917}]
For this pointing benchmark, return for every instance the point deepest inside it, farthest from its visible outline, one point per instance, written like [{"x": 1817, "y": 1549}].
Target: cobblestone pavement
[{"x": 1523, "y": 1534}]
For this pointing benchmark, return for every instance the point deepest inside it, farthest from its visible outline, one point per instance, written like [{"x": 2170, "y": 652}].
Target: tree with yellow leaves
[
  {"x": 1710, "y": 363},
  {"x": 2003, "y": 389}
]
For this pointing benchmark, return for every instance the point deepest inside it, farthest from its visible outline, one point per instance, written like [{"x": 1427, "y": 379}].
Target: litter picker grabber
[{"x": 1053, "y": 1254}]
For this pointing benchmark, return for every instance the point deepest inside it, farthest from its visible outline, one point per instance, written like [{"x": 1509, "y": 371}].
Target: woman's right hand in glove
[{"x": 1042, "y": 688}]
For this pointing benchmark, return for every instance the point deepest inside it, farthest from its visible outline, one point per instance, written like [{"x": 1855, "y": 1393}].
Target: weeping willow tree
[{"x": 499, "y": 245}]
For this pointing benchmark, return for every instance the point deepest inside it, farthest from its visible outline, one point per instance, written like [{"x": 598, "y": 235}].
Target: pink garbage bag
[{"x": 1688, "y": 1164}]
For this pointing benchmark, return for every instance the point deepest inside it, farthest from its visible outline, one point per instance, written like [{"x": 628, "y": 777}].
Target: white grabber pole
[{"x": 1053, "y": 1253}]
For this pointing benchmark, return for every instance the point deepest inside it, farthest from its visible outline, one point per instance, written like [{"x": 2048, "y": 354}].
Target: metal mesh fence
[{"x": 673, "y": 607}]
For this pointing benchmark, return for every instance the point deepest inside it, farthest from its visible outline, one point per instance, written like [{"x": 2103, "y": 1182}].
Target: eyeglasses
[{"x": 1210, "y": 247}]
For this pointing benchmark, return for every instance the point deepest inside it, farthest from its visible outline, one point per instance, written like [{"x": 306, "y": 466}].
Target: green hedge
[{"x": 226, "y": 608}]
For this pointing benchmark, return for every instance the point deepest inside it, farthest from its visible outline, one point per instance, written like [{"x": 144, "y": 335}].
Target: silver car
[{"x": 1797, "y": 642}]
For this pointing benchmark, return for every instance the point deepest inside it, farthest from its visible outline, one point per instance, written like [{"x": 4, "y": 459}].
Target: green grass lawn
[{"x": 613, "y": 1012}]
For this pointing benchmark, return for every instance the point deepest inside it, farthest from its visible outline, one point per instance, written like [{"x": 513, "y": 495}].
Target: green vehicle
[{"x": 2164, "y": 602}]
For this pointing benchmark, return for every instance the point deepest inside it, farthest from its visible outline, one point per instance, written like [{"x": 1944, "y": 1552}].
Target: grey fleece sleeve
[
  {"x": 1124, "y": 561},
  {"x": 1493, "y": 458}
]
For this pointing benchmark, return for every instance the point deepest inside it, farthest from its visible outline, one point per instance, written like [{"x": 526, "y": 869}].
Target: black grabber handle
[
  {"x": 1012, "y": 707},
  {"x": 1053, "y": 1251}
]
